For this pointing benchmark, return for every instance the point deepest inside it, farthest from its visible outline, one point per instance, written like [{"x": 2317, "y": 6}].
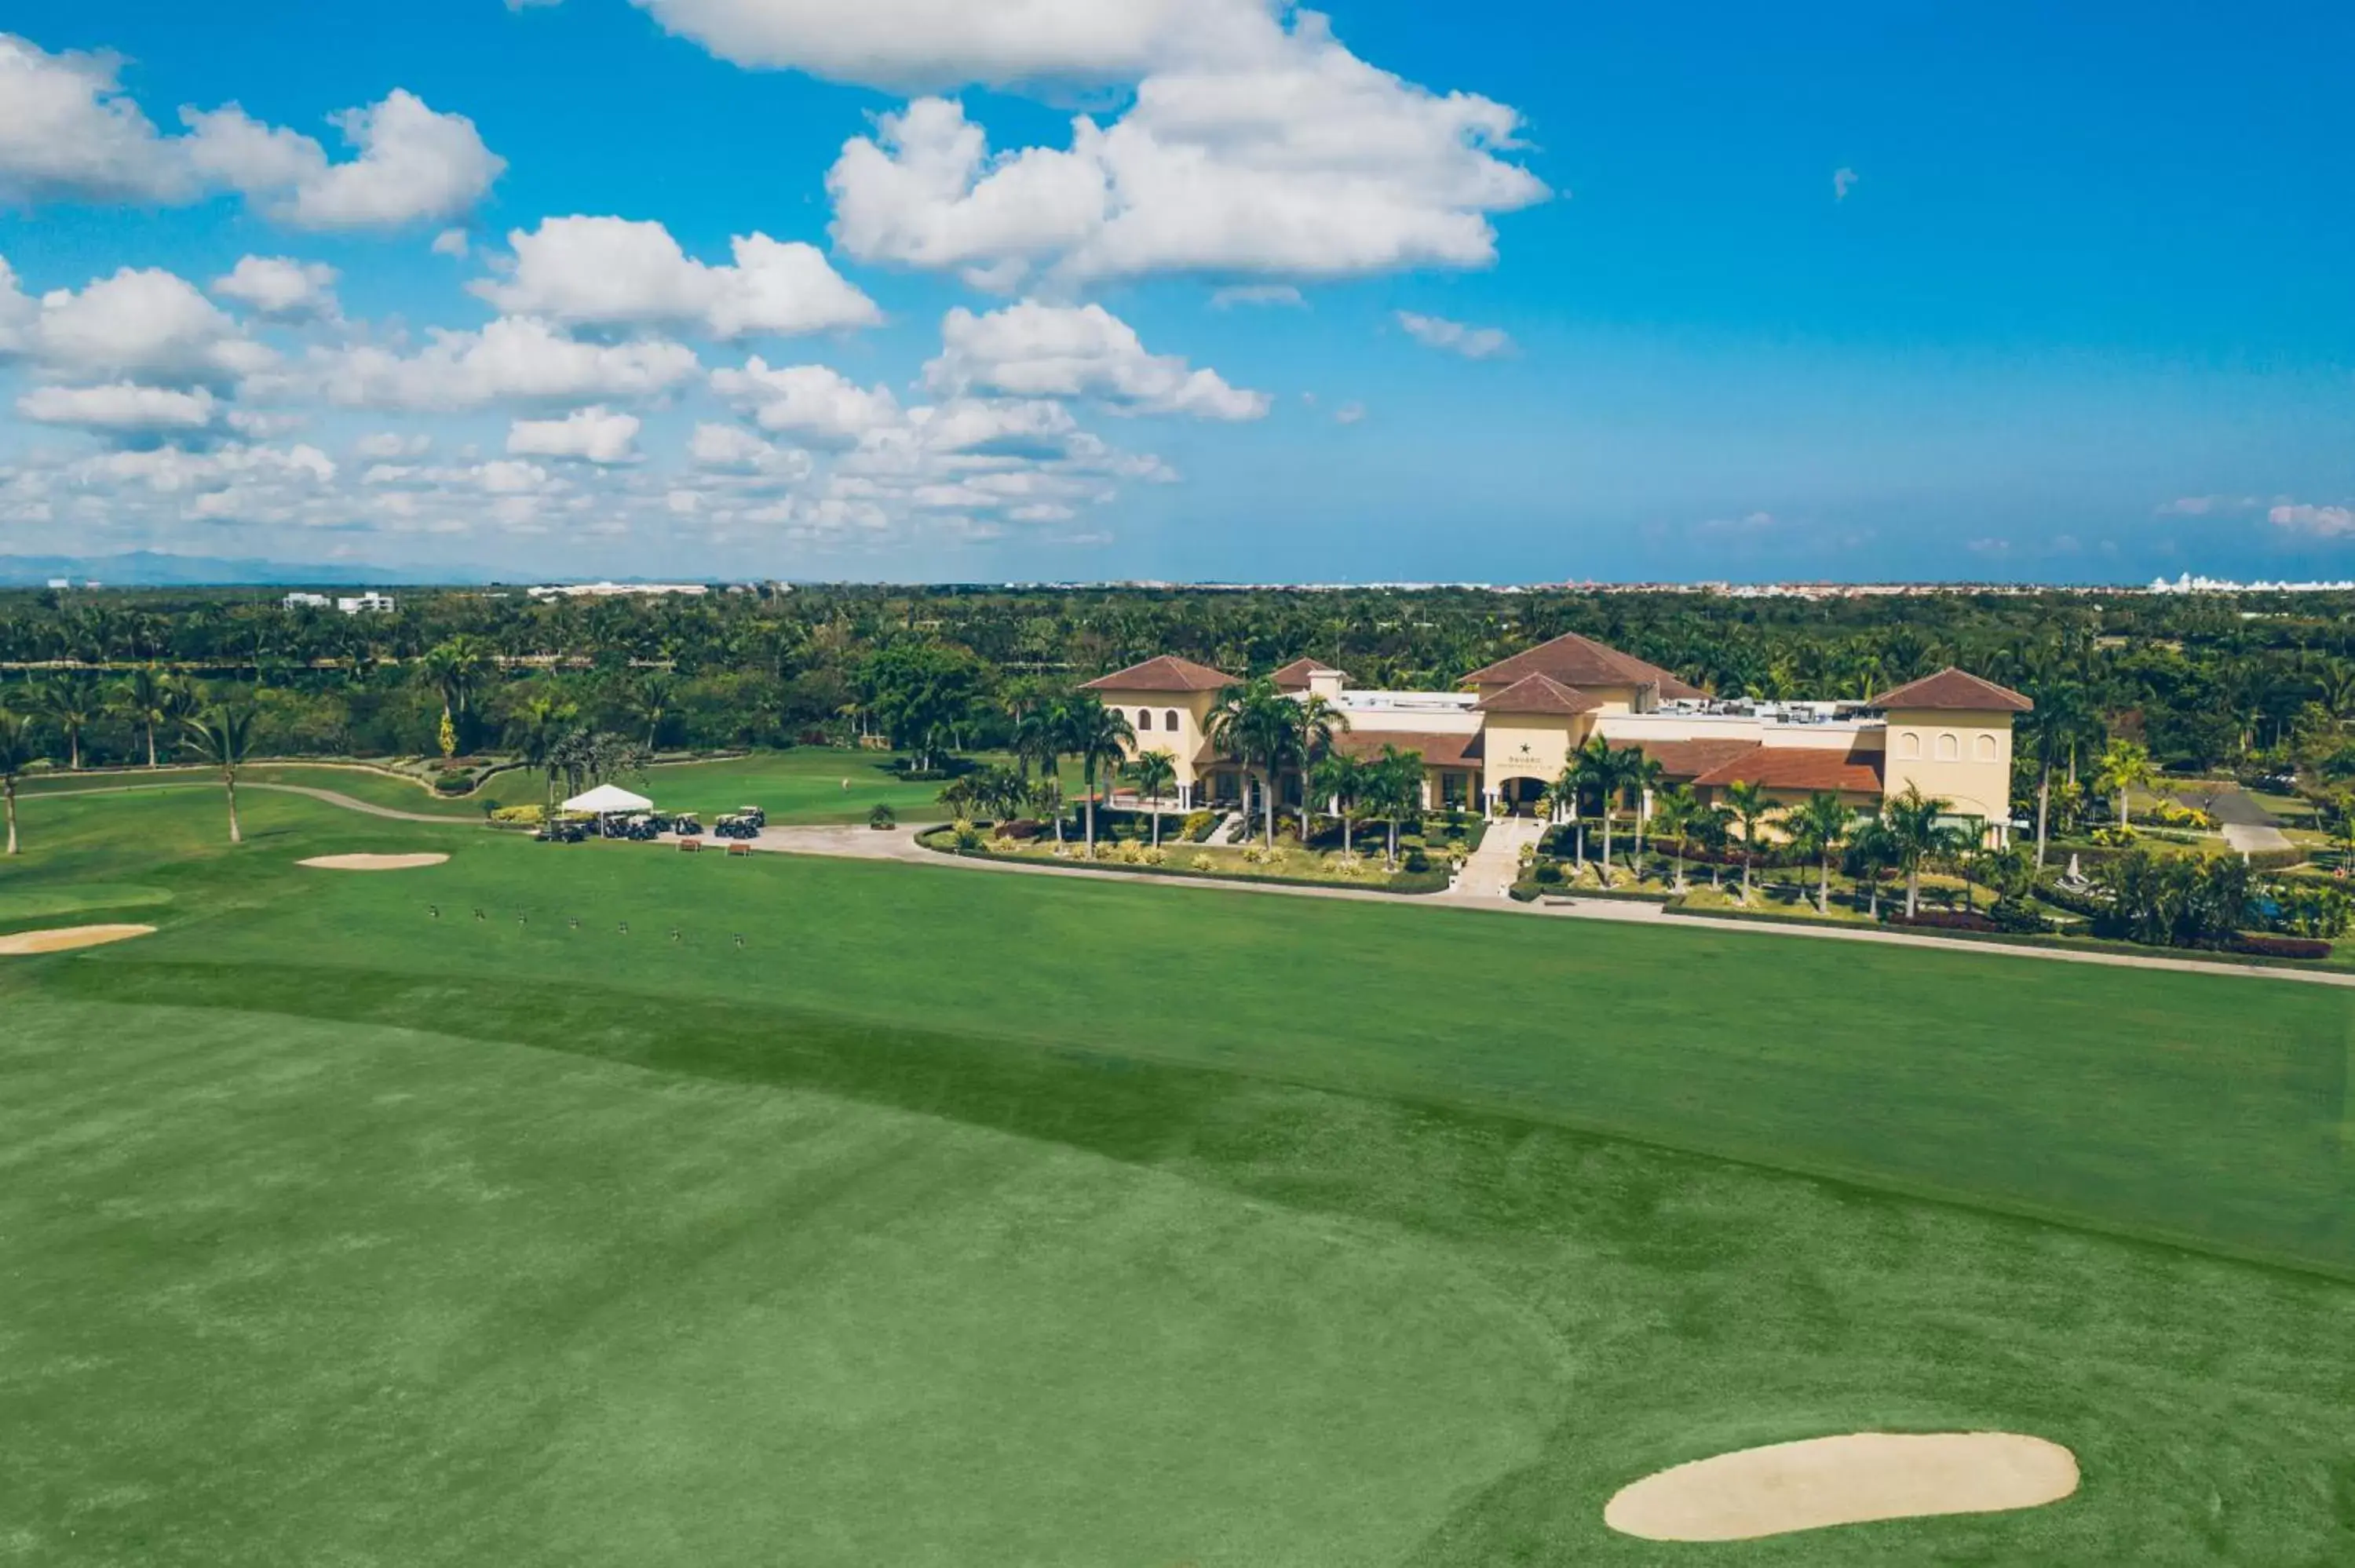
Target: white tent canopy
[{"x": 609, "y": 798}]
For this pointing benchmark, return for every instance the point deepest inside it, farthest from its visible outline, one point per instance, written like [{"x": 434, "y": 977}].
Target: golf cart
[
  {"x": 685, "y": 825},
  {"x": 736, "y": 825}
]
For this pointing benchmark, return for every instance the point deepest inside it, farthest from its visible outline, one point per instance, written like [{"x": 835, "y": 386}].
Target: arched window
[
  {"x": 1984, "y": 749},
  {"x": 1908, "y": 744},
  {"x": 1172, "y": 717},
  {"x": 1144, "y": 719},
  {"x": 1949, "y": 748}
]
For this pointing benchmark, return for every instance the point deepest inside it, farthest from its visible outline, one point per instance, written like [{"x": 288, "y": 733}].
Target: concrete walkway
[
  {"x": 349, "y": 803},
  {"x": 2248, "y": 827},
  {"x": 1496, "y": 866}
]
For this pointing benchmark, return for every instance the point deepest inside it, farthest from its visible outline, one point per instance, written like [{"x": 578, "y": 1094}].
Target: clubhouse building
[{"x": 1498, "y": 744}]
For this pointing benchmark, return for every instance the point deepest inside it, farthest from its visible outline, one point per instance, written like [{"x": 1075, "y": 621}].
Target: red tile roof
[
  {"x": 1166, "y": 673},
  {"x": 1809, "y": 768},
  {"x": 1574, "y": 661},
  {"x": 1437, "y": 750},
  {"x": 1956, "y": 689},
  {"x": 1685, "y": 760},
  {"x": 1538, "y": 695},
  {"x": 1294, "y": 677}
]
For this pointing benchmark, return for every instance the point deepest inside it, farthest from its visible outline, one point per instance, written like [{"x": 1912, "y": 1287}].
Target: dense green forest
[{"x": 2255, "y": 684}]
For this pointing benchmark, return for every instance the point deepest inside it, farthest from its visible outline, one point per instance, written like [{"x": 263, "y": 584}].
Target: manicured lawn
[
  {"x": 800, "y": 786},
  {"x": 964, "y": 1218}
]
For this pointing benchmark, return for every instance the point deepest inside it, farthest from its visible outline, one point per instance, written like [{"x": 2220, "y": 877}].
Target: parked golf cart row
[{"x": 644, "y": 827}]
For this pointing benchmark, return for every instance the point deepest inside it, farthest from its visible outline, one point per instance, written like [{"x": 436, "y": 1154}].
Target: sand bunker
[
  {"x": 24, "y": 943},
  {"x": 374, "y": 862},
  {"x": 1852, "y": 1479}
]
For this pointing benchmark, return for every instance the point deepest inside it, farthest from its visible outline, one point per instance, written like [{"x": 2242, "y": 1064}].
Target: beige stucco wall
[
  {"x": 1529, "y": 745},
  {"x": 1193, "y": 713},
  {"x": 1965, "y": 758},
  {"x": 1609, "y": 699}
]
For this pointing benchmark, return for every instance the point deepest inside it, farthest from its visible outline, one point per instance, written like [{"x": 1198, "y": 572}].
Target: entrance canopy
[{"x": 609, "y": 798}]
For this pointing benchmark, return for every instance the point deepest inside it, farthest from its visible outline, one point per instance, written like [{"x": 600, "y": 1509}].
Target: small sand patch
[
  {"x": 1850, "y": 1479},
  {"x": 374, "y": 862},
  {"x": 24, "y": 943}
]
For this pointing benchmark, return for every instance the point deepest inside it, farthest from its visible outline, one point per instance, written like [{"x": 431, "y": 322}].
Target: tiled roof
[
  {"x": 1956, "y": 690},
  {"x": 1166, "y": 673},
  {"x": 1685, "y": 760},
  {"x": 1538, "y": 695},
  {"x": 1574, "y": 661},
  {"x": 1437, "y": 750},
  {"x": 1809, "y": 768},
  {"x": 1294, "y": 677}
]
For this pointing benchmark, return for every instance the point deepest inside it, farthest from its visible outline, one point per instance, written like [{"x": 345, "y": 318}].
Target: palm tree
[
  {"x": 1714, "y": 831},
  {"x": 1047, "y": 800},
  {"x": 1037, "y": 739},
  {"x": 1915, "y": 834},
  {"x": 1393, "y": 788},
  {"x": 2055, "y": 727},
  {"x": 223, "y": 737},
  {"x": 1257, "y": 726},
  {"x": 652, "y": 702},
  {"x": 73, "y": 705},
  {"x": 1154, "y": 773},
  {"x": 1314, "y": 726},
  {"x": 457, "y": 669},
  {"x": 2125, "y": 766},
  {"x": 538, "y": 732},
  {"x": 1643, "y": 775},
  {"x": 1819, "y": 826},
  {"x": 1675, "y": 812},
  {"x": 1873, "y": 849},
  {"x": 144, "y": 698},
  {"x": 16, "y": 754},
  {"x": 1340, "y": 779},
  {"x": 1753, "y": 810},
  {"x": 1100, "y": 738}
]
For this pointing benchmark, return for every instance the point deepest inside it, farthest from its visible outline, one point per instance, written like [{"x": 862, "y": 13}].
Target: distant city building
[
  {"x": 2187, "y": 583},
  {"x": 367, "y": 604},
  {"x": 619, "y": 590},
  {"x": 307, "y": 602},
  {"x": 61, "y": 582}
]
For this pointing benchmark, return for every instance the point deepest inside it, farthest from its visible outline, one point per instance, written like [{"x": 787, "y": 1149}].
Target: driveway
[{"x": 2248, "y": 827}]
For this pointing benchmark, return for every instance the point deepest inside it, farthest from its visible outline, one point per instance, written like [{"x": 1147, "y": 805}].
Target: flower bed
[{"x": 1183, "y": 860}]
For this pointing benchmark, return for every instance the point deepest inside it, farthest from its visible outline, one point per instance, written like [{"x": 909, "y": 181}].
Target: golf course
[{"x": 596, "y": 1206}]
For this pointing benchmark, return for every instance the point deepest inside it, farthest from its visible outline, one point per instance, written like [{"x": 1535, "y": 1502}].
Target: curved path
[{"x": 348, "y": 802}]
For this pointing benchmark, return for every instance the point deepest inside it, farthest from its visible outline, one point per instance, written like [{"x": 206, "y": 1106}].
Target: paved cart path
[{"x": 348, "y": 802}]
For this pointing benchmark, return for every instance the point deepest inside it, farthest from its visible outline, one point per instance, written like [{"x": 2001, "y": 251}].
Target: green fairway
[
  {"x": 801, "y": 785},
  {"x": 959, "y": 1217}
]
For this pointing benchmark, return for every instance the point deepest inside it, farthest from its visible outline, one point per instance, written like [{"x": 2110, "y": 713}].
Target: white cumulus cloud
[
  {"x": 916, "y": 44},
  {"x": 121, "y": 408},
  {"x": 594, "y": 434},
  {"x": 1454, "y": 337},
  {"x": 1291, "y": 158},
  {"x": 610, "y": 271},
  {"x": 68, "y": 133},
  {"x": 514, "y": 357},
  {"x": 810, "y": 403},
  {"x": 1031, "y": 350},
  {"x": 282, "y": 289},
  {"x": 142, "y": 323},
  {"x": 2320, "y": 522}
]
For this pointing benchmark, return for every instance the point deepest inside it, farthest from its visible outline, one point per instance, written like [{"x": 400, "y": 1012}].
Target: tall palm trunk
[
  {"x": 1092, "y": 811},
  {"x": 1605, "y": 876},
  {"x": 1912, "y": 890},
  {"x": 9, "y": 789},
  {"x": 228, "y": 781},
  {"x": 1157, "y": 819},
  {"x": 1824, "y": 886},
  {"x": 73, "y": 748},
  {"x": 1267, "y": 803},
  {"x": 150, "y": 744},
  {"x": 2043, "y": 812}
]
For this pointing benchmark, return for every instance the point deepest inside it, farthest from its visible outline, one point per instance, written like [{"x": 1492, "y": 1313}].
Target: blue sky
[{"x": 1388, "y": 292}]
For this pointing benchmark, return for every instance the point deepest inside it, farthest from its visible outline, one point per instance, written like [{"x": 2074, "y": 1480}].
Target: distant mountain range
[{"x": 150, "y": 568}]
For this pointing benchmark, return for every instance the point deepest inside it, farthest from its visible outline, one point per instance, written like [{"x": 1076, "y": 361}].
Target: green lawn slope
[{"x": 962, "y": 1218}]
